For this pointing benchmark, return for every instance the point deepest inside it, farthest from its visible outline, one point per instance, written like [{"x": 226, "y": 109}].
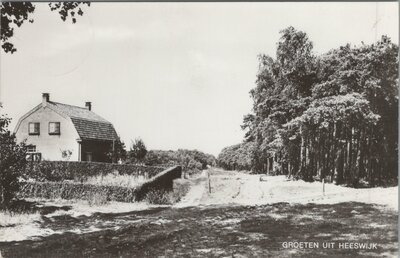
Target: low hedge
[
  {"x": 70, "y": 190},
  {"x": 79, "y": 171},
  {"x": 75, "y": 190}
]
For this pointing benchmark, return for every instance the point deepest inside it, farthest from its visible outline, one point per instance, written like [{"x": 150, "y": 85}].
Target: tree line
[
  {"x": 192, "y": 161},
  {"x": 332, "y": 116}
]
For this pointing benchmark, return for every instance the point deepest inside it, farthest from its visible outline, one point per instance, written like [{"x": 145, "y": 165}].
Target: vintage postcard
[{"x": 199, "y": 129}]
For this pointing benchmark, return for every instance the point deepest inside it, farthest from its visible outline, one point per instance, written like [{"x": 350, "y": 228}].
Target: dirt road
[{"x": 194, "y": 229}]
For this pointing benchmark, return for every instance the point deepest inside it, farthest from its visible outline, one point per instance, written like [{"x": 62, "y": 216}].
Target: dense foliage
[
  {"x": 117, "y": 152},
  {"x": 138, "y": 151},
  {"x": 332, "y": 116},
  {"x": 192, "y": 161},
  {"x": 237, "y": 157},
  {"x": 12, "y": 162}
]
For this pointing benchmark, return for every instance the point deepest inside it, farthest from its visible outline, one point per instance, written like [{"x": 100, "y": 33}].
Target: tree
[
  {"x": 117, "y": 151},
  {"x": 12, "y": 162},
  {"x": 331, "y": 116},
  {"x": 237, "y": 157},
  {"x": 138, "y": 150},
  {"x": 16, "y": 13},
  {"x": 192, "y": 161}
]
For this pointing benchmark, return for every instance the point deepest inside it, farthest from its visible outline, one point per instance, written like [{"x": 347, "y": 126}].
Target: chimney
[
  {"x": 45, "y": 98},
  {"x": 88, "y": 105}
]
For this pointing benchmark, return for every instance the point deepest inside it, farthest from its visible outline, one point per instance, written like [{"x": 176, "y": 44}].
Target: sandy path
[
  {"x": 244, "y": 189},
  {"x": 196, "y": 192}
]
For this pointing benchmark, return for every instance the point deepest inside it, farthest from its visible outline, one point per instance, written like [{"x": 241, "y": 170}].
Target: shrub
[{"x": 12, "y": 162}]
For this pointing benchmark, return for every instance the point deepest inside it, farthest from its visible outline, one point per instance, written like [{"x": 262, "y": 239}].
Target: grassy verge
[{"x": 181, "y": 188}]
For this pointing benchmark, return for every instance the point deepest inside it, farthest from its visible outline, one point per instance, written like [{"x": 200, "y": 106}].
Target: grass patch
[
  {"x": 11, "y": 218},
  {"x": 180, "y": 189}
]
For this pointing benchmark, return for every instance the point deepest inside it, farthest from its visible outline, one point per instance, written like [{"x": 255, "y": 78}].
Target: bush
[{"x": 12, "y": 162}]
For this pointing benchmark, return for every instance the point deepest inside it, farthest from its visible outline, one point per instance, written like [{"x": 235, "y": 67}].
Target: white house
[{"x": 57, "y": 131}]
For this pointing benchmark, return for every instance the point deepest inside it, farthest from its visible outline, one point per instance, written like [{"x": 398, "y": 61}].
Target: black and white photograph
[{"x": 199, "y": 129}]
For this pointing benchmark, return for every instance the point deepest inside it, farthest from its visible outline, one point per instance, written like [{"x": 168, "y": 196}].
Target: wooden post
[
  {"x": 209, "y": 182},
  {"x": 323, "y": 186}
]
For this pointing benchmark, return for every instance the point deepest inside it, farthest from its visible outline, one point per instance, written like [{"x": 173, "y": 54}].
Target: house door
[{"x": 89, "y": 156}]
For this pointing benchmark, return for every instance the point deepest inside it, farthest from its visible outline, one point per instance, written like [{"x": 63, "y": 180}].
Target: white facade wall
[{"x": 51, "y": 146}]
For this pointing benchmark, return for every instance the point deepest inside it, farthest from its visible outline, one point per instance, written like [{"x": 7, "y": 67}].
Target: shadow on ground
[{"x": 238, "y": 231}]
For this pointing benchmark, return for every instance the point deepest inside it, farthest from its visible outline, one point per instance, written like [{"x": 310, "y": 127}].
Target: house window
[
  {"x": 54, "y": 128},
  {"x": 34, "y": 128},
  {"x": 31, "y": 148}
]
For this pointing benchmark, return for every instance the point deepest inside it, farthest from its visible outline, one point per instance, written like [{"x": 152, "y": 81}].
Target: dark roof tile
[{"x": 88, "y": 124}]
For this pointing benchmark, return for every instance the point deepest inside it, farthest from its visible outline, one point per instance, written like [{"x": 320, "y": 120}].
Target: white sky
[{"x": 178, "y": 75}]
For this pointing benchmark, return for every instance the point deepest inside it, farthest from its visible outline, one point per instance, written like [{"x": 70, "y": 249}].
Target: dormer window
[
  {"x": 54, "y": 128},
  {"x": 34, "y": 128}
]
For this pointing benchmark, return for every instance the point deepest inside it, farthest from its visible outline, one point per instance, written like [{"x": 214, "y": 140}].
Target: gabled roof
[{"x": 88, "y": 124}]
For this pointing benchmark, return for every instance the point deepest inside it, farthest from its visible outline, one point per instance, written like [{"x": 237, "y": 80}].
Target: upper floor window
[
  {"x": 31, "y": 148},
  {"x": 34, "y": 128},
  {"x": 54, "y": 128}
]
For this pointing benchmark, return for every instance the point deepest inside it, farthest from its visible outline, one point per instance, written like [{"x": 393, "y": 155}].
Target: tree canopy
[
  {"x": 331, "y": 116},
  {"x": 192, "y": 161}
]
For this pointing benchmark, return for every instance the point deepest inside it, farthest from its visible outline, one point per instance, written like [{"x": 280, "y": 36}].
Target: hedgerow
[
  {"x": 79, "y": 171},
  {"x": 103, "y": 193}
]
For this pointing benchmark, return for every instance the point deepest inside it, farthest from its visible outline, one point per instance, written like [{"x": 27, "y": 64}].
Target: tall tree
[{"x": 331, "y": 116}]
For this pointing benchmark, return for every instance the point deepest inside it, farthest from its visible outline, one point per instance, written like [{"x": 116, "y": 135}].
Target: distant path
[{"x": 231, "y": 187}]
